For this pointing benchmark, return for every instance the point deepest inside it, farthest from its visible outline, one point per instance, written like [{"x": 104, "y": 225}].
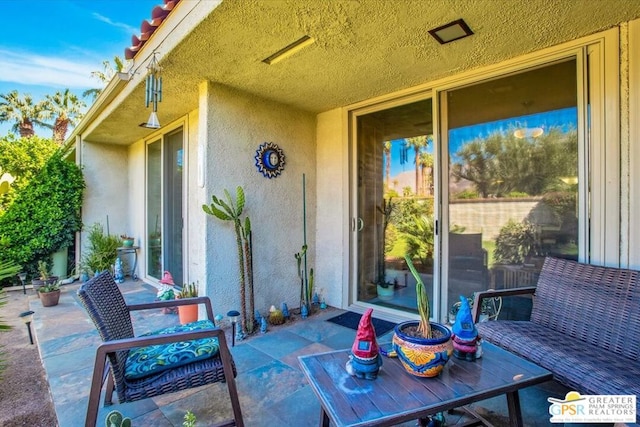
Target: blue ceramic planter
[{"x": 422, "y": 357}]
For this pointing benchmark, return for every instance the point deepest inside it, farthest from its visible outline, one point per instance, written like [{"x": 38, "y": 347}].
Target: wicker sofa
[{"x": 584, "y": 327}]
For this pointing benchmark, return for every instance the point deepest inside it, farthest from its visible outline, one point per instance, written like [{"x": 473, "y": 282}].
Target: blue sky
[{"x": 50, "y": 45}]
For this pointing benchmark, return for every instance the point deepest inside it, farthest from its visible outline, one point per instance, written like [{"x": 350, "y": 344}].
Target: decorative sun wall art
[{"x": 269, "y": 160}]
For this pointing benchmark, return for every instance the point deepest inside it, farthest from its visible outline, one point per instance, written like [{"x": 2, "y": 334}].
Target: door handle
[
  {"x": 357, "y": 224},
  {"x": 360, "y": 224}
]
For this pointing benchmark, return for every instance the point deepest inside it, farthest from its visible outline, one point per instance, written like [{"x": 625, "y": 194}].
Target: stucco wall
[
  {"x": 237, "y": 124},
  {"x": 107, "y": 178},
  {"x": 489, "y": 216},
  {"x": 332, "y": 246}
]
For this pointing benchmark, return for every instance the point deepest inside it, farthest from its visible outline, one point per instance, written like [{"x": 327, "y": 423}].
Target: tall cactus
[
  {"x": 248, "y": 257},
  {"x": 230, "y": 211}
]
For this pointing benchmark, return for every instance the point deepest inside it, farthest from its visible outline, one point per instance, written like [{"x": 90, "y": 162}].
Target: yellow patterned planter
[{"x": 420, "y": 356}]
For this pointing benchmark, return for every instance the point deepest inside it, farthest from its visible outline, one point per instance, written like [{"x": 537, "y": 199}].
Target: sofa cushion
[
  {"x": 576, "y": 364},
  {"x": 598, "y": 305},
  {"x": 145, "y": 361}
]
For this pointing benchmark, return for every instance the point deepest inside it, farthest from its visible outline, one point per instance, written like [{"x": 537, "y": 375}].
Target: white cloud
[
  {"x": 127, "y": 28},
  {"x": 33, "y": 69}
]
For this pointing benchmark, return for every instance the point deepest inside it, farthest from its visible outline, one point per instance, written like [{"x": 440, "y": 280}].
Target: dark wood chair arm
[
  {"x": 128, "y": 343},
  {"x": 493, "y": 293},
  {"x": 174, "y": 303}
]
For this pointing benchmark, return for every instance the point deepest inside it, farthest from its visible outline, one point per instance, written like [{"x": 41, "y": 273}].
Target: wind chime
[{"x": 153, "y": 92}]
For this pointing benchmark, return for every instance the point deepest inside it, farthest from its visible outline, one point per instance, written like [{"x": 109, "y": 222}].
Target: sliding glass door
[
  {"x": 165, "y": 165},
  {"x": 505, "y": 193},
  {"x": 512, "y": 177},
  {"x": 395, "y": 209}
]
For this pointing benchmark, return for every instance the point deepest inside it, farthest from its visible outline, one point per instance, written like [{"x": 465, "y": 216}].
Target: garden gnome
[
  {"x": 365, "y": 360},
  {"x": 263, "y": 325},
  {"x": 167, "y": 279},
  {"x": 464, "y": 333},
  {"x": 118, "y": 271},
  {"x": 167, "y": 282},
  {"x": 285, "y": 311}
]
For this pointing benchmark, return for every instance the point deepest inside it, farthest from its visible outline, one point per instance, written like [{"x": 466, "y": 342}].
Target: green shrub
[
  {"x": 515, "y": 242},
  {"x": 45, "y": 214},
  {"x": 102, "y": 250}
]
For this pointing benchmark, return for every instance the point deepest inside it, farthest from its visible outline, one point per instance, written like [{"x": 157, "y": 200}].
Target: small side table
[{"x": 131, "y": 250}]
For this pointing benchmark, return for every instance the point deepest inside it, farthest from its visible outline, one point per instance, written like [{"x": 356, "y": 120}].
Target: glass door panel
[
  {"x": 394, "y": 204},
  {"x": 512, "y": 178},
  {"x": 173, "y": 206},
  {"x": 154, "y": 209},
  {"x": 165, "y": 161}
]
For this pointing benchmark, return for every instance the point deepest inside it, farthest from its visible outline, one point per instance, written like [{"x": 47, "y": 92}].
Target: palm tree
[
  {"x": 387, "y": 152},
  {"x": 426, "y": 161},
  {"x": 417, "y": 142},
  {"x": 104, "y": 76},
  {"x": 67, "y": 109},
  {"x": 21, "y": 110}
]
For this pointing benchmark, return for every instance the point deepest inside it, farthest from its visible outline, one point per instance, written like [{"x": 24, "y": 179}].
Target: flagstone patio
[{"x": 273, "y": 391}]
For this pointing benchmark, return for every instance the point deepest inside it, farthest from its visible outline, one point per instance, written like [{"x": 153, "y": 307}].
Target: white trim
[{"x": 634, "y": 144}]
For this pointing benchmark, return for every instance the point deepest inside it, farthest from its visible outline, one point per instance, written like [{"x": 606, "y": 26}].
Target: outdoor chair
[{"x": 165, "y": 361}]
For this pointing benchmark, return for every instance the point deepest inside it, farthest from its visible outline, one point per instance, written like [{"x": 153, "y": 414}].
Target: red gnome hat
[
  {"x": 365, "y": 346},
  {"x": 167, "y": 279}
]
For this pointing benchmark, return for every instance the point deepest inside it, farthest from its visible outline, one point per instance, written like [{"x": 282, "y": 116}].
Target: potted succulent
[
  {"x": 45, "y": 277},
  {"x": 49, "y": 294},
  {"x": 423, "y": 347},
  {"x": 188, "y": 313}
]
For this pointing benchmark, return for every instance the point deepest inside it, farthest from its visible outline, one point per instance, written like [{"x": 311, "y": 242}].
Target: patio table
[{"x": 396, "y": 396}]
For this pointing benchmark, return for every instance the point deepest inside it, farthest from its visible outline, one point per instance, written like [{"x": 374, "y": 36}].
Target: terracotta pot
[
  {"x": 49, "y": 299},
  {"x": 188, "y": 313},
  {"x": 422, "y": 357},
  {"x": 37, "y": 284}
]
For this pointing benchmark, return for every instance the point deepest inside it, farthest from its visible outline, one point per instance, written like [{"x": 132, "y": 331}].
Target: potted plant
[
  {"x": 423, "y": 347},
  {"x": 49, "y": 294},
  {"x": 102, "y": 250},
  {"x": 45, "y": 277},
  {"x": 127, "y": 241},
  {"x": 385, "y": 289},
  {"x": 188, "y": 313}
]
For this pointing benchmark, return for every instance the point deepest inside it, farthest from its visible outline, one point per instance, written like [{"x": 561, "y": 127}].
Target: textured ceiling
[{"x": 363, "y": 49}]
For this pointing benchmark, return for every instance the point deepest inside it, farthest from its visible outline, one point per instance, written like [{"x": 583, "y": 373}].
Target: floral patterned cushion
[{"x": 145, "y": 361}]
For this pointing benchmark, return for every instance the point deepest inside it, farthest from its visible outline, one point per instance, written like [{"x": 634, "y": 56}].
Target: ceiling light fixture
[
  {"x": 525, "y": 131},
  {"x": 455, "y": 30},
  {"x": 289, "y": 50}
]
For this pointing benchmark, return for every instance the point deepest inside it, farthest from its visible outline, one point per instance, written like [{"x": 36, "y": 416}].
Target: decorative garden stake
[{"x": 365, "y": 360}]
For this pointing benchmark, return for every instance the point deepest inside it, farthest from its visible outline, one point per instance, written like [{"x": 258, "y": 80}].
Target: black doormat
[{"x": 351, "y": 320}]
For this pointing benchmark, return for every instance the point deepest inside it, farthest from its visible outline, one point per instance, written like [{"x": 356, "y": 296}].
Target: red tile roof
[{"x": 147, "y": 28}]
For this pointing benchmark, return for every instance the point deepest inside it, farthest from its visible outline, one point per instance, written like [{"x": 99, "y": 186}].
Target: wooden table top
[{"x": 397, "y": 396}]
